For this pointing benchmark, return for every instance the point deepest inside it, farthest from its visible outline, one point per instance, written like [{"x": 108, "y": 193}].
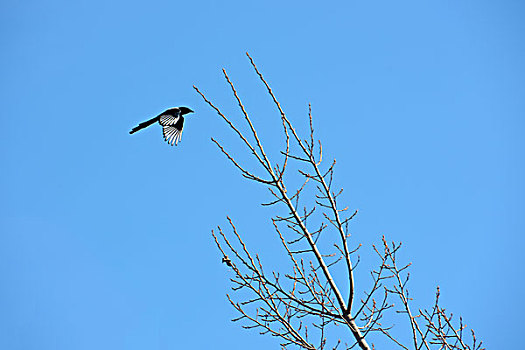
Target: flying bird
[{"x": 172, "y": 122}]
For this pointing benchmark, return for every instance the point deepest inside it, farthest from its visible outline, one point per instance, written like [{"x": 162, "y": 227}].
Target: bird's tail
[{"x": 144, "y": 124}]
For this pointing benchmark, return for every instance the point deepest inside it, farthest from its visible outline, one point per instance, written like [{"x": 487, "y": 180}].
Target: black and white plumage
[{"x": 172, "y": 122}]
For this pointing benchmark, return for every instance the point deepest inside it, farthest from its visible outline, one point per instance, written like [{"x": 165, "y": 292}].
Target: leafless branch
[{"x": 305, "y": 302}]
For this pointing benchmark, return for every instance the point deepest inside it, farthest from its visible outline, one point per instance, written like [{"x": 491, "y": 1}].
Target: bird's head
[{"x": 185, "y": 110}]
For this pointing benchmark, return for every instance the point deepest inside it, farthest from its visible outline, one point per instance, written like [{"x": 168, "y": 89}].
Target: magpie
[{"x": 172, "y": 122}]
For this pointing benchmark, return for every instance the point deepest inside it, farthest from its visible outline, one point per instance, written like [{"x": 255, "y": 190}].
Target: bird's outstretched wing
[{"x": 172, "y": 125}]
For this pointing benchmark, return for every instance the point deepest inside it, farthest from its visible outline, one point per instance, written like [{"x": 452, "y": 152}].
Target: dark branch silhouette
[{"x": 303, "y": 304}]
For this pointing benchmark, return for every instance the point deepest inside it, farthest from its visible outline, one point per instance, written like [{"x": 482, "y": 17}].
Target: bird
[
  {"x": 172, "y": 122},
  {"x": 227, "y": 261}
]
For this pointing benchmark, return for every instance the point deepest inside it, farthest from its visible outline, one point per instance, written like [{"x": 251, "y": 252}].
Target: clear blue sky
[{"x": 105, "y": 237}]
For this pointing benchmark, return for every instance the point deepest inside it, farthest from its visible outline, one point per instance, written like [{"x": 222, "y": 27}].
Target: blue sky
[{"x": 105, "y": 237}]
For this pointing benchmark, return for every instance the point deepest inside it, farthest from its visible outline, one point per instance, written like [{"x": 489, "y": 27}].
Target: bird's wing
[
  {"x": 172, "y": 134},
  {"x": 172, "y": 127},
  {"x": 169, "y": 118}
]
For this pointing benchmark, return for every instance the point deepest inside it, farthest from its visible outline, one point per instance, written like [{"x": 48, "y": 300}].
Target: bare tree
[{"x": 303, "y": 305}]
